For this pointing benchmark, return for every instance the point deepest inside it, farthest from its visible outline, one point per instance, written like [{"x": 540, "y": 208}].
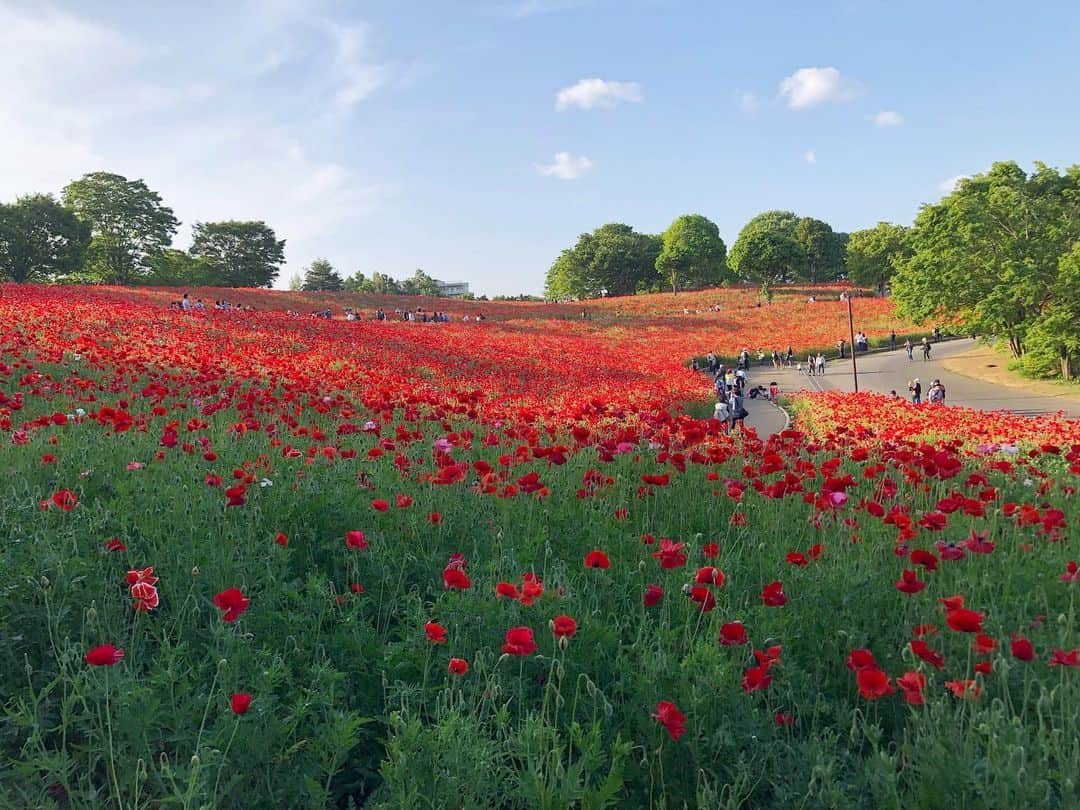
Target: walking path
[{"x": 890, "y": 371}]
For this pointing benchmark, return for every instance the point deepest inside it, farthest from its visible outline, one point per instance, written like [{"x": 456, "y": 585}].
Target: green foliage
[
  {"x": 242, "y": 254},
  {"x": 874, "y": 253},
  {"x": 693, "y": 254},
  {"x": 129, "y": 225},
  {"x": 40, "y": 240},
  {"x": 988, "y": 253},
  {"x": 1053, "y": 341},
  {"x": 377, "y": 284},
  {"x": 322, "y": 277},
  {"x": 824, "y": 249},
  {"x": 420, "y": 283},
  {"x": 767, "y": 251},
  {"x": 613, "y": 260},
  {"x": 178, "y": 268}
]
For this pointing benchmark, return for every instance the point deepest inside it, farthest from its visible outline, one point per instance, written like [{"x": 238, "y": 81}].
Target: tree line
[
  {"x": 998, "y": 256},
  {"x": 774, "y": 247},
  {"x": 108, "y": 229}
]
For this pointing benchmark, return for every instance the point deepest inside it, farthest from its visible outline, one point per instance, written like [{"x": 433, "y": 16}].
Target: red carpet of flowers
[{"x": 253, "y": 559}]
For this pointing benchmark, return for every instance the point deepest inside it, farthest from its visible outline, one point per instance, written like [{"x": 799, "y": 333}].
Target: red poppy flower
[
  {"x": 404, "y": 501},
  {"x": 964, "y": 689},
  {"x": 241, "y": 702},
  {"x": 773, "y": 594},
  {"x": 709, "y": 575},
  {"x": 732, "y": 634},
  {"x": 380, "y": 505},
  {"x": 710, "y": 551},
  {"x": 105, "y": 655},
  {"x": 236, "y": 496},
  {"x": 531, "y": 588},
  {"x": 519, "y": 641},
  {"x": 145, "y": 596},
  {"x": 113, "y": 544},
  {"x": 1064, "y": 659},
  {"x": 784, "y": 719},
  {"x": 984, "y": 667},
  {"x": 924, "y": 558},
  {"x": 912, "y": 685},
  {"x": 597, "y": 559},
  {"x": 65, "y": 499},
  {"x": 669, "y": 716},
  {"x": 507, "y": 589},
  {"x": 909, "y": 582},
  {"x": 963, "y": 620},
  {"x": 757, "y": 679},
  {"x": 670, "y": 554},
  {"x": 703, "y": 597},
  {"x": 653, "y": 595},
  {"x": 873, "y": 683},
  {"x": 563, "y": 627},
  {"x": 454, "y": 577},
  {"x": 281, "y": 539},
  {"x": 233, "y": 602},
  {"x": 860, "y": 659},
  {"x": 930, "y": 656},
  {"x": 356, "y": 588},
  {"x": 1021, "y": 649},
  {"x": 436, "y": 633},
  {"x": 795, "y": 558},
  {"x": 983, "y": 645},
  {"x": 355, "y": 539},
  {"x": 435, "y": 518},
  {"x": 952, "y": 602},
  {"x": 458, "y": 666},
  {"x": 1072, "y": 572}
]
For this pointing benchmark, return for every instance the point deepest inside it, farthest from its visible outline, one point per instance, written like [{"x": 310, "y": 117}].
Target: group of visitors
[
  {"x": 185, "y": 304},
  {"x": 925, "y": 346},
  {"x": 935, "y": 393},
  {"x": 815, "y": 364}
]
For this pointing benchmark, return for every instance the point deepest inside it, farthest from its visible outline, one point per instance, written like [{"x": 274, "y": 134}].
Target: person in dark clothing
[
  {"x": 892, "y": 339},
  {"x": 840, "y": 348}
]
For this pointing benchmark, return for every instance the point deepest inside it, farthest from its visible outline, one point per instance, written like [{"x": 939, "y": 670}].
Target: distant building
[{"x": 453, "y": 289}]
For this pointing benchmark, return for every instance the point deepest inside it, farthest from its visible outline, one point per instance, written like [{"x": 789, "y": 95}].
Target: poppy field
[{"x": 255, "y": 560}]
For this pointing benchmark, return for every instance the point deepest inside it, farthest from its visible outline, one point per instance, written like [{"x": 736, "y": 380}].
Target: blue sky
[{"x": 477, "y": 138}]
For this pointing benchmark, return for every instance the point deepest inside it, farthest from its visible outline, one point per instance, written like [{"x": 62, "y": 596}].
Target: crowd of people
[{"x": 419, "y": 315}]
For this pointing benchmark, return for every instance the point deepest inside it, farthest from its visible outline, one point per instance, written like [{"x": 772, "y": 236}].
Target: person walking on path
[
  {"x": 936, "y": 393},
  {"x": 925, "y": 350},
  {"x": 915, "y": 388},
  {"x": 892, "y": 339},
  {"x": 790, "y": 356},
  {"x": 908, "y": 348},
  {"x": 736, "y": 410},
  {"x": 840, "y": 347},
  {"x": 820, "y": 365}
]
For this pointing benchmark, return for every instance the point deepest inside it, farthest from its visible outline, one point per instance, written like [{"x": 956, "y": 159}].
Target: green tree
[
  {"x": 873, "y": 254},
  {"x": 692, "y": 253},
  {"x": 1053, "y": 340},
  {"x": 322, "y": 277},
  {"x": 988, "y": 253},
  {"x": 296, "y": 282},
  {"x": 823, "y": 248},
  {"x": 128, "y": 224},
  {"x": 420, "y": 283},
  {"x": 767, "y": 252},
  {"x": 613, "y": 260},
  {"x": 178, "y": 268},
  {"x": 40, "y": 239},
  {"x": 243, "y": 254}
]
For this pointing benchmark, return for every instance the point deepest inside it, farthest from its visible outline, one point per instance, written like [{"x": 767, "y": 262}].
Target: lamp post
[{"x": 851, "y": 329}]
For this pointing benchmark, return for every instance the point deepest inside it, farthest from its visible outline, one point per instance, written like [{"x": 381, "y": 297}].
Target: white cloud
[
  {"x": 808, "y": 87},
  {"x": 809, "y": 156},
  {"x": 952, "y": 183},
  {"x": 359, "y": 74},
  {"x": 590, "y": 93},
  {"x": 888, "y": 118},
  {"x": 566, "y": 166},
  {"x": 748, "y": 102}
]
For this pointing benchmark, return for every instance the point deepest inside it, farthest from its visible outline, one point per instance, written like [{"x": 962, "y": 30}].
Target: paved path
[{"x": 890, "y": 371}]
